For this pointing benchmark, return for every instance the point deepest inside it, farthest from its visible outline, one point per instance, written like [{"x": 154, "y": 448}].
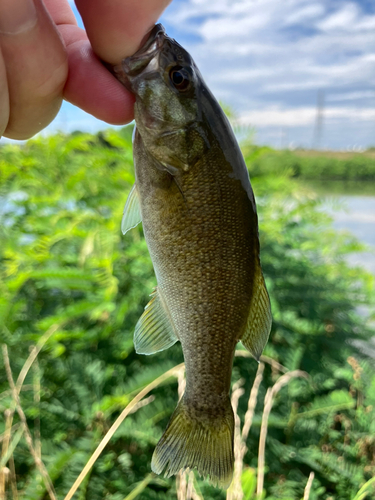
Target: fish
[{"x": 192, "y": 193}]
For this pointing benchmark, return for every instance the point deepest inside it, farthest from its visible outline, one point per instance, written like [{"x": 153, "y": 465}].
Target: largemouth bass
[{"x": 194, "y": 197}]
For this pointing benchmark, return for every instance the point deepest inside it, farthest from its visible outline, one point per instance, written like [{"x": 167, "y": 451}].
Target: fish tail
[{"x": 198, "y": 439}]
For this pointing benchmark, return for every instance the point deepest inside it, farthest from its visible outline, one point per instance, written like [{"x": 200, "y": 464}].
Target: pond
[{"x": 352, "y": 206}]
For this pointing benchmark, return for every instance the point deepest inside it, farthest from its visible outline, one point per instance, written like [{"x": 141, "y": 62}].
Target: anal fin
[
  {"x": 154, "y": 331},
  {"x": 259, "y": 321},
  {"x": 132, "y": 213}
]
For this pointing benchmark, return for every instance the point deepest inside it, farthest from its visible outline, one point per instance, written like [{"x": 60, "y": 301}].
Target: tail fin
[{"x": 204, "y": 442}]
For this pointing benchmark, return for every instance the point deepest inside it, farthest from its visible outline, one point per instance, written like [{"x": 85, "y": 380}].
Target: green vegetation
[
  {"x": 71, "y": 284},
  {"x": 315, "y": 165}
]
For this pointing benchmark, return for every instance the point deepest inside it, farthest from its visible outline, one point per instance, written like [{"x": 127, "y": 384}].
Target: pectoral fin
[
  {"x": 260, "y": 318},
  {"x": 154, "y": 331},
  {"x": 132, "y": 213}
]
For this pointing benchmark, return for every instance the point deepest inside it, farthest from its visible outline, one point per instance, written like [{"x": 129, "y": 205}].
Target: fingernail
[{"x": 17, "y": 16}]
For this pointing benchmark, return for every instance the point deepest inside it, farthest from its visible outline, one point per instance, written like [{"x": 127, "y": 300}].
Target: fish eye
[{"x": 180, "y": 78}]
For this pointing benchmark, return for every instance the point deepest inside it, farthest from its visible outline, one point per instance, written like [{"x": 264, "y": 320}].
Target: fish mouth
[{"x": 132, "y": 66}]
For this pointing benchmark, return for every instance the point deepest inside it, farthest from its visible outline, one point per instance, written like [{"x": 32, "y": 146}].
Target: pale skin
[{"x": 45, "y": 58}]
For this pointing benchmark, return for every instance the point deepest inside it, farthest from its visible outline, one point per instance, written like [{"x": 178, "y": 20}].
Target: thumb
[{"x": 117, "y": 28}]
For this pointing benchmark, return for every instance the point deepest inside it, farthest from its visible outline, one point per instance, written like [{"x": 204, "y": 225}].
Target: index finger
[{"x": 116, "y": 28}]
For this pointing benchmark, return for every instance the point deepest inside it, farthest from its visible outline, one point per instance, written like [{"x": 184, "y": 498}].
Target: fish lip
[
  {"x": 151, "y": 46},
  {"x": 133, "y": 65}
]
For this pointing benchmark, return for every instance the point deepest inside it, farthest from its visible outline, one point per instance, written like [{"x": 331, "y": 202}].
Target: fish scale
[{"x": 195, "y": 200}]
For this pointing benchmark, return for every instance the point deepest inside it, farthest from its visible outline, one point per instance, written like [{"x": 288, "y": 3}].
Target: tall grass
[
  {"x": 72, "y": 289},
  {"x": 312, "y": 164},
  {"x": 247, "y": 483}
]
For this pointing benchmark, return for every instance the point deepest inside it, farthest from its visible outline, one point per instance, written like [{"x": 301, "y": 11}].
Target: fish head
[{"x": 166, "y": 83}]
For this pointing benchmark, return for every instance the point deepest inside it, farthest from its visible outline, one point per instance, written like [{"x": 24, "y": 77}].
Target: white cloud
[
  {"x": 270, "y": 58},
  {"x": 344, "y": 18},
  {"x": 305, "y": 14},
  {"x": 359, "y": 70},
  {"x": 276, "y": 116},
  {"x": 352, "y": 96},
  {"x": 257, "y": 40}
]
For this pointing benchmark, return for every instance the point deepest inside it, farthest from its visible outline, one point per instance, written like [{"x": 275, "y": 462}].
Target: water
[
  {"x": 358, "y": 217},
  {"x": 356, "y": 213}
]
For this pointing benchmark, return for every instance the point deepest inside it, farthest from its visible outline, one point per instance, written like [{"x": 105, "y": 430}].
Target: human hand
[{"x": 46, "y": 57}]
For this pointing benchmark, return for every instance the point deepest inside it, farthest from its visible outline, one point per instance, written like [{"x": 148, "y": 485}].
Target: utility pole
[{"x": 318, "y": 129}]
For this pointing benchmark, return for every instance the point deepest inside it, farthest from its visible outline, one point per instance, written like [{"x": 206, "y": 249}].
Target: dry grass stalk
[
  {"x": 181, "y": 380},
  {"x": 38, "y": 462},
  {"x": 265, "y": 359},
  {"x": 249, "y": 415},
  {"x": 7, "y": 393},
  {"x": 34, "y": 354},
  {"x": 190, "y": 486},
  {"x": 4, "y": 452},
  {"x": 193, "y": 492},
  {"x": 235, "y": 491},
  {"x": 5, "y": 433},
  {"x": 36, "y": 388},
  {"x": 181, "y": 486},
  {"x": 21, "y": 378},
  {"x": 140, "y": 487},
  {"x": 308, "y": 486},
  {"x": 12, "y": 445},
  {"x": 185, "y": 486},
  {"x": 142, "y": 403},
  {"x": 187, "y": 489},
  {"x": 13, "y": 478},
  {"x": 5, "y": 473},
  {"x": 170, "y": 373},
  {"x": 275, "y": 365},
  {"x": 268, "y": 401},
  {"x": 195, "y": 496}
]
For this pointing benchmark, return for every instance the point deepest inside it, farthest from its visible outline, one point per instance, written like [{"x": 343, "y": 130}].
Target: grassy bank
[
  {"x": 71, "y": 291},
  {"x": 319, "y": 165}
]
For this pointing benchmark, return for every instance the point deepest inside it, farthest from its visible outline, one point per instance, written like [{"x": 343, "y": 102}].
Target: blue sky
[{"x": 270, "y": 59}]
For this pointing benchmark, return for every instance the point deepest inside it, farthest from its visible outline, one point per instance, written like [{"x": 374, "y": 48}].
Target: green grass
[
  {"x": 71, "y": 284},
  {"x": 312, "y": 165}
]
